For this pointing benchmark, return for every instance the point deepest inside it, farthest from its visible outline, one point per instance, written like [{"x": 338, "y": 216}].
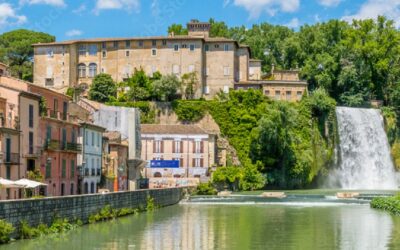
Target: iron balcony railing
[
  {"x": 51, "y": 145},
  {"x": 76, "y": 147},
  {"x": 11, "y": 158}
]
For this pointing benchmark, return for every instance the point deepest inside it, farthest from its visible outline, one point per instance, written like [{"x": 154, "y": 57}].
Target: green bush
[
  {"x": 189, "y": 111},
  {"x": 150, "y": 205},
  {"x": 27, "y": 232},
  {"x": 390, "y": 204},
  {"x": 205, "y": 189},
  {"x": 6, "y": 229}
]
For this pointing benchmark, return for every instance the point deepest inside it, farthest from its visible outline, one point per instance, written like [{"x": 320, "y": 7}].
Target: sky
[{"x": 73, "y": 19}]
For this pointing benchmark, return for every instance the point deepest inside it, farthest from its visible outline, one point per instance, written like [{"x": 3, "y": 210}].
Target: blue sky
[{"x": 72, "y": 19}]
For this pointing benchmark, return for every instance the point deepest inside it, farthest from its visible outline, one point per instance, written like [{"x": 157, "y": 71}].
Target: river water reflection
[{"x": 236, "y": 226}]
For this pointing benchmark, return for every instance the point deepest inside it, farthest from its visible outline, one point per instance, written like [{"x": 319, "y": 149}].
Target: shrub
[
  {"x": 189, "y": 111},
  {"x": 390, "y": 204},
  {"x": 6, "y": 229},
  {"x": 205, "y": 189},
  {"x": 27, "y": 232},
  {"x": 150, "y": 205}
]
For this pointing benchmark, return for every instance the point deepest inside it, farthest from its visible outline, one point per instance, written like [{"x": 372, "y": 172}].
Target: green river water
[{"x": 236, "y": 226}]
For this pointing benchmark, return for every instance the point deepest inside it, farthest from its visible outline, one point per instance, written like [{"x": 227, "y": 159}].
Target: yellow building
[
  {"x": 282, "y": 85},
  {"x": 218, "y": 62}
]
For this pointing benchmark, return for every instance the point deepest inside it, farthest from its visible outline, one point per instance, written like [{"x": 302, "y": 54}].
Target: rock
[
  {"x": 273, "y": 194},
  {"x": 225, "y": 193},
  {"x": 347, "y": 195}
]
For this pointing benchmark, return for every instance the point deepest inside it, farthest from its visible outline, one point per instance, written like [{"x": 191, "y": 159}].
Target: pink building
[{"x": 55, "y": 149}]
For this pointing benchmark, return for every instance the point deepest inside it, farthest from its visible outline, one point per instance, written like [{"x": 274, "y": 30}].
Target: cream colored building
[
  {"x": 194, "y": 148},
  {"x": 280, "y": 85},
  {"x": 218, "y": 62}
]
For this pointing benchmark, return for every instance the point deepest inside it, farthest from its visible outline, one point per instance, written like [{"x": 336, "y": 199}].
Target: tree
[
  {"x": 140, "y": 86},
  {"x": 103, "y": 88},
  {"x": 190, "y": 85},
  {"x": 16, "y": 50},
  {"x": 177, "y": 29},
  {"x": 167, "y": 87}
]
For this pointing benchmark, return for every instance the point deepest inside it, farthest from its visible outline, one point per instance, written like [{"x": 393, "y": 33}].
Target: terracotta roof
[
  {"x": 113, "y": 136},
  {"x": 171, "y": 129}
]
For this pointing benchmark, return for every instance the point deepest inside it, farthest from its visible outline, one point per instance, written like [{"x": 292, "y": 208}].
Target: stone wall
[{"x": 36, "y": 211}]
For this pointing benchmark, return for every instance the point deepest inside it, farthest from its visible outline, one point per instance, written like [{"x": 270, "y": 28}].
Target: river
[{"x": 235, "y": 226}]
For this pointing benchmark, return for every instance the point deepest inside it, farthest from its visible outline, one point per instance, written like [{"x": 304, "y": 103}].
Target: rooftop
[{"x": 171, "y": 129}]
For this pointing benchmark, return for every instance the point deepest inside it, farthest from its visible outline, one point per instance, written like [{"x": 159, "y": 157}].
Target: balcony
[
  {"x": 51, "y": 145},
  {"x": 59, "y": 115},
  {"x": 11, "y": 158},
  {"x": 75, "y": 147}
]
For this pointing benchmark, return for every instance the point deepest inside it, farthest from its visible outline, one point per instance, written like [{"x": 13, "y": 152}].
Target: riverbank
[
  {"x": 389, "y": 204},
  {"x": 61, "y": 213}
]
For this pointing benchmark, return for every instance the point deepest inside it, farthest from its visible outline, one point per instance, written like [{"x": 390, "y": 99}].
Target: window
[
  {"x": 216, "y": 46},
  {"x": 154, "y": 43},
  {"x": 198, "y": 147},
  {"x": 127, "y": 44},
  {"x": 48, "y": 169},
  {"x": 64, "y": 169},
  {"x": 72, "y": 190},
  {"x": 226, "y": 47},
  {"x": 82, "y": 70},
  {"x": 154, "y": 52},
  {"x": 115, "y": 44},
  {"x": 92, "y": 139},
  {"x": 157, "y": 146},
  {"x": 197, "y": 163},
  {"x": 30, "y": 115},
  {"x": 127, "y": 53},
  {"x": 55, "y": 105},
  {"x": 299, "y": 95},
  {"x": 93, "y": 50},
  {"x": 227, "y": 71},
  {"x": 178, "y": 147},
  {"x": 86, "y": 138},
  {"x": 30, "y": 143},
  {"x": 72, "y": 169},
  {"x": 140, "y": 43},
  {"x": 226, "y": 89},
  {"x": 176, "y": 69},
  {"x": 104, "y": 54},
  {"x": 192, "y": 47},
  {"x": 191, "y": 68},
  {"x": 207, "y": 71},
  {"x": 48, "y": 133},
  {"x": 277, "y": 95},
  {"x": 82, "y": 50},
  {"x": 164, "y": 42},
  {"x": 50, "y": 53},
  {"x": 184, "y": 46},
  {"x": 207, "y": 47},
  {"x": 288, "y": 95},
  {"x": 92, "y": 70},
  {"x": 206, "y": 90},
  {"x": 104, "y": 45},
  {"x": 176, "y": 47},
  {"x": 266, "y": 92}
]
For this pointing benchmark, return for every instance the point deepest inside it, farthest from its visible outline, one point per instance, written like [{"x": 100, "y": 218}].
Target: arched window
[
  {"x": 92, "y": 70},
  {"x": 82, "y": 70},
  {"x": 157, "y": 175},
  {"x": 92, "y": 191}
]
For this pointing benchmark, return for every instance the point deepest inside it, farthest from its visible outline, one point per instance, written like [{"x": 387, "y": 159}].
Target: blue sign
[{"x": 164, "y": 164}]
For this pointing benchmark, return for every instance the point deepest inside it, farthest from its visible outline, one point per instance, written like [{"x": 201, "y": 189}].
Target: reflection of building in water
[{"x": 183, "y": 232}]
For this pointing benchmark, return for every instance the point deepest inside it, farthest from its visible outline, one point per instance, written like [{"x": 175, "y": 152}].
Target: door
[
  {"x": 8, "y": 150},
  {"x": 65, "y": 110}
]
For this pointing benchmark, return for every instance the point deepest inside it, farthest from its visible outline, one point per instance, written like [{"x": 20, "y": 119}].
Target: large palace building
[{"x": 218, "y": 62}]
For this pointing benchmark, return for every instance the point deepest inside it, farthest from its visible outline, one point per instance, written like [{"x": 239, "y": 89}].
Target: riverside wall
[{"x": 45, "y": 210}]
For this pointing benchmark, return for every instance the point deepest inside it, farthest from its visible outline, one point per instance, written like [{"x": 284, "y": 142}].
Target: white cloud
[
  {"x": 8, "y": 15},
  {"x": 293, "y": 24},
  {"x": 329, "y": 3},
  {"x": 374, "y": 8},
  {"x": 79, "y": 10},
  {"x": 73, "y": 32},
  {"x": 128, "y": 5},
  {"x": 256, "y": 7},
  {"x": 58, "y": 3}
]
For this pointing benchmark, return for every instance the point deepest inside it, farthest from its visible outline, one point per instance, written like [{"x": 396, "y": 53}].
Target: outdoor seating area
[{"x": 30, "y": 188}]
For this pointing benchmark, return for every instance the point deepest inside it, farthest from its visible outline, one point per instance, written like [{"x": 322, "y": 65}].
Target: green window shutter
[
  {"x": 48, "y": 170},
  {"x": 64, "y": 169},
  {"x": 72, "y": 169}
]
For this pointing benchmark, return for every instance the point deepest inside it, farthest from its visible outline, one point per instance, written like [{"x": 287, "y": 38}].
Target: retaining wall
[{"x": 36, "y": 211}]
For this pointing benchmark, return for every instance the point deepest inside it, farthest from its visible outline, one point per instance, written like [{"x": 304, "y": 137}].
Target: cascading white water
[{"x": 365, "y": 160}]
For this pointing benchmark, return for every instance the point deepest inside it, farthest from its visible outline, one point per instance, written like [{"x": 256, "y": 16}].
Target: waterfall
[{"x": 365, "y": 160}]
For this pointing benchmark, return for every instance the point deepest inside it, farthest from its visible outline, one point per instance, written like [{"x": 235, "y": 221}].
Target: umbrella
[
  {"x": 9, "y": 184},
  {"x": 29, "y": 183}
]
